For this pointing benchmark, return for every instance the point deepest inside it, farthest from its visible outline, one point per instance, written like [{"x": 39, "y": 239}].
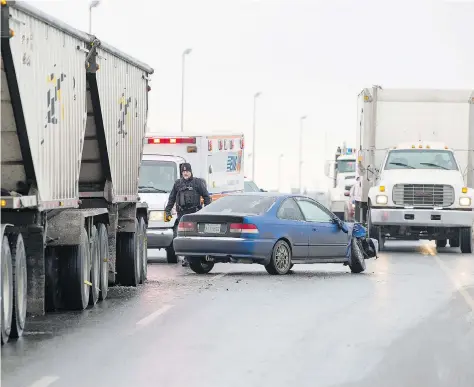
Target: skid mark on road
[
  {"x": 431, "y": 250},
  {"x": 45, "y": 381},
  {"x": 153, "y": 316}
]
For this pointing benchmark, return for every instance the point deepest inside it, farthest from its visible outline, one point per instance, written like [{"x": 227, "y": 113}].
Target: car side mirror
[{"x": 342, "y": 225}]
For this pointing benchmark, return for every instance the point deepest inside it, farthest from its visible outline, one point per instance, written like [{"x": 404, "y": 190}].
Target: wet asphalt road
[{"x": 408, "y": 321}]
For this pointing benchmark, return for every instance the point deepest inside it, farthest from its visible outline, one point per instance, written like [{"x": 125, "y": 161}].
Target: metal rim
[
  {"x": 144, "y": 253},
  {"x": 282, "y": 258},
  {"x": 21, "y": 284},
  {"x": 86, "y": 267},
  {"x": 138, "y": 263},
  {"x": 7, "y": 285},
  {"x": 104, "y": 267},
  {"x": 96, "y": 263}
]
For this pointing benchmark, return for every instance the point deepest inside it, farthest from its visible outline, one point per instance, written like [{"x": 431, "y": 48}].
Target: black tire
[
  {"x": 454, "y": 242},
  {"x": 199, "y": 265},
  {"x": 53, "y": 289},
  {"x": 103, "y": 240},
  {"x": 128, "y": 257},
  {"x": 280, "y": 262},
  {"x": 95, "y": 267},
  {"x": 18, "y": 252},
  {"x": 143, "y": 251},
  {"x": 357, "y": 263},
  {"x": 441, "y": 243},
  {"x": 466, "y": 240},
  {"x": 6, "y": 288},
  {"x": 75, "y": 273}
]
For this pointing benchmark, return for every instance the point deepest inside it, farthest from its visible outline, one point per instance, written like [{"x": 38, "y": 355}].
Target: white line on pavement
[
  {"x": 148, "y": 319},
  {"x": 218, "y": 276},
  {"x": 45, "y": 381}
]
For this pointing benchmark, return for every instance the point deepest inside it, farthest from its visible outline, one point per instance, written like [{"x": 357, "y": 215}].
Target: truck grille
[{"x": 423, "y": 195}]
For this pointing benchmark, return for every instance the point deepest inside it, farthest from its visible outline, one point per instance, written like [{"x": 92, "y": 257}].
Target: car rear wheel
[
  {"x": 280, "y": 263},
  {"x": 199, "y": 265},
  {"x": 357, "y": 262}
]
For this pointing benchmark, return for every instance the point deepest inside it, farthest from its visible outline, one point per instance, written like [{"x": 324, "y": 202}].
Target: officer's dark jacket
[{"x": 193, "y": 185}]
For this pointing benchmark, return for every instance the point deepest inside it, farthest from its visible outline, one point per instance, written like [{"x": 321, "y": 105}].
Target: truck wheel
[
  {"x": 103, "y": 240},
  {"x": 199, "y": 265},
  {"x": 53, "y": 289},
  {"x": 17, "y": 247},
  {"x": 6, "y": 291},
  {"x": 466, "y": 240},
  {"x": 454, "y": 242},
  {"x": 280, "y": 262},
  {"x": 128, "y": 257},
  {"x": 441, "y": 243},
  {"x": 357, "y": 262},
  {"x": 76, "y": 273},
  {"x": 95, "y": 267},
  {"x": 171, "y": 256},
  {"x": 374, "y": 232},
  {"x": 143, "y": 251}
]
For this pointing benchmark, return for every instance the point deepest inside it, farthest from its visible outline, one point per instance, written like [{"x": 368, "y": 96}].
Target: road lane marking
[
  {"x": 218, "y": 276},
  {"x": 45, "y": 381},
  {"x": 151, "y": 317},
  {"x": 467, "y": 297}
]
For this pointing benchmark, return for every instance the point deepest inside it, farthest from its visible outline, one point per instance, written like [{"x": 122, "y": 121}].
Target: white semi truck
[
  {"x": 415, "y": 165},
  {"x": 341, "y": 171},
  {"x": 74, "y": 113}
]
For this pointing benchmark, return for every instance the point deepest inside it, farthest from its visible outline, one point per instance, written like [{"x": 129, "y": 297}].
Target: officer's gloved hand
[{"x": 168, "y": 217}]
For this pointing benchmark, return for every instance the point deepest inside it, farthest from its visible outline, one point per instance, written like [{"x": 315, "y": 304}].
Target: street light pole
[
  {"x": 279, "y": 171},
  {"x": 185, "y": 52},
  {"x": 92, "y": 4},
  {"x": 256, "y": 95},
  {"x": 301, "y": 153}
]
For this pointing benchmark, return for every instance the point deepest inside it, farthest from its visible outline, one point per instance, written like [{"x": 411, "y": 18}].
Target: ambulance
[{"x": 217, "y": 159}]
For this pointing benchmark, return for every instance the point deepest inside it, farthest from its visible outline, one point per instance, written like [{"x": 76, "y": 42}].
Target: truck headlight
[
  {"x": 381, "y": 199},
  {"x": 157, "y": 216},
  {"x": 465, "y": 202}
]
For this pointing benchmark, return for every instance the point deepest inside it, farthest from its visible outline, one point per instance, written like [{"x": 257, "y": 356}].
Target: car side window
[
  {"x": 289, "y": 210},
  {"x": 313, "y": 213}
]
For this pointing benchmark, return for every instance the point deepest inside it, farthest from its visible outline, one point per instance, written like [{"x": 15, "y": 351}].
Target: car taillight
[
  {"x": 186, "y": 226},
  {"x": 243, "y": 228}
]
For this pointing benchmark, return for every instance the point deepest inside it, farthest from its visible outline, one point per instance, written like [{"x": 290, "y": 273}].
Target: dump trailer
[{"x": 73, "y": 119}]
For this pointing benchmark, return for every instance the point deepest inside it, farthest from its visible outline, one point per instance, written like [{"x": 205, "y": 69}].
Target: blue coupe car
[{"x": 274, "y": 230}]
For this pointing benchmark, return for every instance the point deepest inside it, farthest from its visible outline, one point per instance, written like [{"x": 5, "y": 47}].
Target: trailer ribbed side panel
[
  {"x": 52, "y": 82},
  {"x": 124, "y": 103}
]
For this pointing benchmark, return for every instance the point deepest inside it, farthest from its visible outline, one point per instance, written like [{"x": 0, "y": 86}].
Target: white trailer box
[
  {"x": 426, "y": 124},
  {"x": 217, "y": 159}
]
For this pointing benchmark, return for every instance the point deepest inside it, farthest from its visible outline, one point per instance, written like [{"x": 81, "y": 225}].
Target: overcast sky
[{"x": 307, "y": 57}]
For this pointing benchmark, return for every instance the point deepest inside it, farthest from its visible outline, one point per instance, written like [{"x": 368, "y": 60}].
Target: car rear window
[{"x": 244, "y": 204}]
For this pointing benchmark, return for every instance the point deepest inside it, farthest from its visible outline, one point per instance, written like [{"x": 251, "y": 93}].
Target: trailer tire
[
  {"x": 75, "y": 273},
  {"x": 143, "y": 251},
  {"x": 95, "y": 267},
  {"x": 6, "y": 288},
  {"x": 53, "y": 298},
  {"x": 466, "y": 240},
  {"x": 128, "y": 257},
  {"x": 18, "y": 252},
  {"x": 441, "y": 243},
  {"x": 103, "y": 239}
]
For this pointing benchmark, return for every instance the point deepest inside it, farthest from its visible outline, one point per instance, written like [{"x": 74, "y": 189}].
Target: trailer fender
[
  {"x": 65, "y": 227},
  {"x": 4, "y": 226}
]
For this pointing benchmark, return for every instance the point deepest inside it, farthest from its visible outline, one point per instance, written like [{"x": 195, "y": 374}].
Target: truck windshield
[
  {"x": 157, "y": 176},
  {"x": 344, "y": 166},
  {"x": 421, "y": 159}
]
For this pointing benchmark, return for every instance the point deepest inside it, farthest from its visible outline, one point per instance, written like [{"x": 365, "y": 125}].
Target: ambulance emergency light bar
[{"x": 179, "y": 140}]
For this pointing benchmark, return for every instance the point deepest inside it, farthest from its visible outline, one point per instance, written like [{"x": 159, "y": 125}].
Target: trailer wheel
[
  {"x": 17, "y": 247},
  {"x": 95, "y": 267},
  {"x": 466, "y": 240},
  {"x": 53, "y": 289},
  {"x": 128, "y": 257},
  {"x": 143, "y": 251},
  {"x": 7, "y": 291},
  {"x": 103, "y": 240},
  {"x": 75, "y": 273}
]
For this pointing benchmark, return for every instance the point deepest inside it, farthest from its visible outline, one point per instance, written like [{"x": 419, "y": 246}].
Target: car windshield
[
  {"x": 157, "y": 176},
  {"x": 421, "y": 159},
  {"x": 244, "y": 204},
  {"x": 250, "y": 186},
  {"x": 344, "y": 166}
]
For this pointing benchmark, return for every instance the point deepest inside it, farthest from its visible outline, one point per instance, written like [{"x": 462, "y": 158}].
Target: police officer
[{"x": 186, "y": 193}]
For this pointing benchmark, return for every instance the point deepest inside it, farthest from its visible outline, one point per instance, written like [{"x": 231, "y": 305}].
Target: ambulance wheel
[
  {"x": 171, "y": 256},
  {"x": 17, "y": 247},
  {"x": 6, "y": 288}
]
